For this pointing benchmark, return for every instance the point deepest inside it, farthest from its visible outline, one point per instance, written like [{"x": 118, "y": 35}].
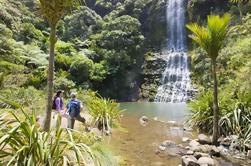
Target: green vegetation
[
  {"x": 111, "y": 47},
  {"x": 233, "y": 69},
  {"x": 105, "y": 113},
  {"x": 23, "y": 142},
  {"x": 211, "y": 39}
]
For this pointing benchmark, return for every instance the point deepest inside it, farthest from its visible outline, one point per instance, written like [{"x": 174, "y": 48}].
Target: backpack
[
  {"x": 74, "y": 108},
  {"x": 54, "y": 103}
]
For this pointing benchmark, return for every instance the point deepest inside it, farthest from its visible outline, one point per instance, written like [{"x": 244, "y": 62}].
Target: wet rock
[
  {"x": 225, "y": 141},
  {"x": 162, "y": 148},
  {"x": 198, "y": 155},
  {"x": 203, "y": 139},
  {"x": 171, "y": 122},
  {"x": 189, "y": 161},
  {"x": 190, "y": 152},
  {"x": 185, "y": 139},
  {"x": 249, "y": 154},
  {"x": 143, "y": 120},
  {"x": 155, "y": 118},
  {"x": 194, "y": 143},
  {"x": 180, "y": 146},
  {"x": 206, "y": 161},
  {"x": 168, "y": 144},
  {"x": 223, "y": 150},
  {"x": 215, "y": 151}
]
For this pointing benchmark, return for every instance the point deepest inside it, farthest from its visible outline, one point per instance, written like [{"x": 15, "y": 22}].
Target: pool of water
[{"x": 138, "y": 144}]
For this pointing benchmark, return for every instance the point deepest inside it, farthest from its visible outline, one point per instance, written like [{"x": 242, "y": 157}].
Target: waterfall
[{"x": 176, "y": 83}]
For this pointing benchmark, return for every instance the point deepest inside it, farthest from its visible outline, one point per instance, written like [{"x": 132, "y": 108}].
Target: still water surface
[{"x": 137, "y": 144}]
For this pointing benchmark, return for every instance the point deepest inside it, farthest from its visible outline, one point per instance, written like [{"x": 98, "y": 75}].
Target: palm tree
[
  {"x": 211, "y": 39},
  {"x": 53, "y": 11}
]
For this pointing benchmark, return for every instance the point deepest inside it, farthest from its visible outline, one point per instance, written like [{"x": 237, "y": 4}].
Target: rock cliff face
[
  {"x": 155, "y": 29},
  {"x": 153, "y": 68}
]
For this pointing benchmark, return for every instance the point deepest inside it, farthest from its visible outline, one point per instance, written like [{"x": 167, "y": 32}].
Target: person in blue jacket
[{"x": 74, "y": 107}]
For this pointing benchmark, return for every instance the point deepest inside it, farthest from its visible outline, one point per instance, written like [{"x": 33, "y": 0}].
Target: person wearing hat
[
  {"x": 74, "y": 106},
  {"x": 58, "y": 104}
]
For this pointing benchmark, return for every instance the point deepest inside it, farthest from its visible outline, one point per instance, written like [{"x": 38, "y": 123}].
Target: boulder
[
  {"x": 143, "y": 120},
  {"x": 190, "y": 152},
  {"x": 203, "y": 139},
  {"x": 194, "y": 143},
  {"x": 198, "y": 155},
  {"x": 189, "y": 161},
  {"x": 168, "y": 144},
  {"x": 206, "y": 160},
  {"x": 249, "y": 154},
  {"x": 162, "y": 148},
  {"x": 225, "y": 141},
  {"x": 185, "y": 139},
  {"x": 215, "y": 151}
]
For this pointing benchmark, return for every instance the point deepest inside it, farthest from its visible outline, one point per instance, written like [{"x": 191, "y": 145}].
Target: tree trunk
[
  {"x": 215, "y": 105},
  {"x": 50, "y": 78},
  {"x": 240, "y": 11}
]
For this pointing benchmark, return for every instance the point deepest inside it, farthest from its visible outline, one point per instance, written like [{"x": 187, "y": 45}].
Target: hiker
[
  {"x": 58, "y": 105},
  {"x": 74, "y": 106}
]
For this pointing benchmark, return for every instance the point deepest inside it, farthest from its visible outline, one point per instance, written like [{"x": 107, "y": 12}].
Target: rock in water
[
  {"x": 143, "y": 120},
  {"x": 203, "y": 139},
  {"x": 162, "y": 148},
  {"x": 168, "y": 144},
  {"x": 194, "y": 143},
  {"x": 189, "y": 161},
  {"x": 185, "y": 139},
  {"x": 206, "y": 161}
]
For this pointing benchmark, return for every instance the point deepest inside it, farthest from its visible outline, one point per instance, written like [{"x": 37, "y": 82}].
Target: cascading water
[{"x": 176, "y": 83}]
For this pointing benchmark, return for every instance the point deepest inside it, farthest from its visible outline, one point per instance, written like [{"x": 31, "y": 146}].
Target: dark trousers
[{"x": 71, "y": 120}]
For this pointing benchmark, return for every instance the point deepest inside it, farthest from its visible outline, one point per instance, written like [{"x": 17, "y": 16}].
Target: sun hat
[{"x": 73, "y": 94}]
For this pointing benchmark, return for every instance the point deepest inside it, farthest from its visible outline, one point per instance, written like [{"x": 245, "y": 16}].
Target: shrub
[
  {"x": 26, "y": 97},
  {"x": 23, "y": 143},
  {"x": 105, "y": 112}
]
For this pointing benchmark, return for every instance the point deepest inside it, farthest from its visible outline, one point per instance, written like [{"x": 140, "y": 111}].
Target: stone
[
  {"x": 155, "y": 118},
  {"x": 143, "y": 120},
  {"x": 162, "y": 148},
  {"x": 171, "y": 122},
  {"x": 189, "y": 161},
  {"x": 185, "y": 139},
  {"x": 168, "y": 143},
  {"x": 249, "y": 154},
  {"x": 180, "y": 146},
  {"x": 190, "y": 152},
  {"x": 203, "y": 139},
  {"x": 187, "y": 147},
  {"x": 194, "y": 143},
  {"x": 198, "y": 155},
  {"x": 215, "y": 151},
  {"x": 206, "y": 160}
]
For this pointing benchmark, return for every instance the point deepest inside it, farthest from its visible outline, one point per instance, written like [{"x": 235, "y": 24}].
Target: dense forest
[
  {"x": 112, "y": 47},
  {"x": 98, "y": 44}
]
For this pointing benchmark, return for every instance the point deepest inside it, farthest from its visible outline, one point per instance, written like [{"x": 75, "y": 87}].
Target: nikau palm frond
[{"x": 211, "y": 38}]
